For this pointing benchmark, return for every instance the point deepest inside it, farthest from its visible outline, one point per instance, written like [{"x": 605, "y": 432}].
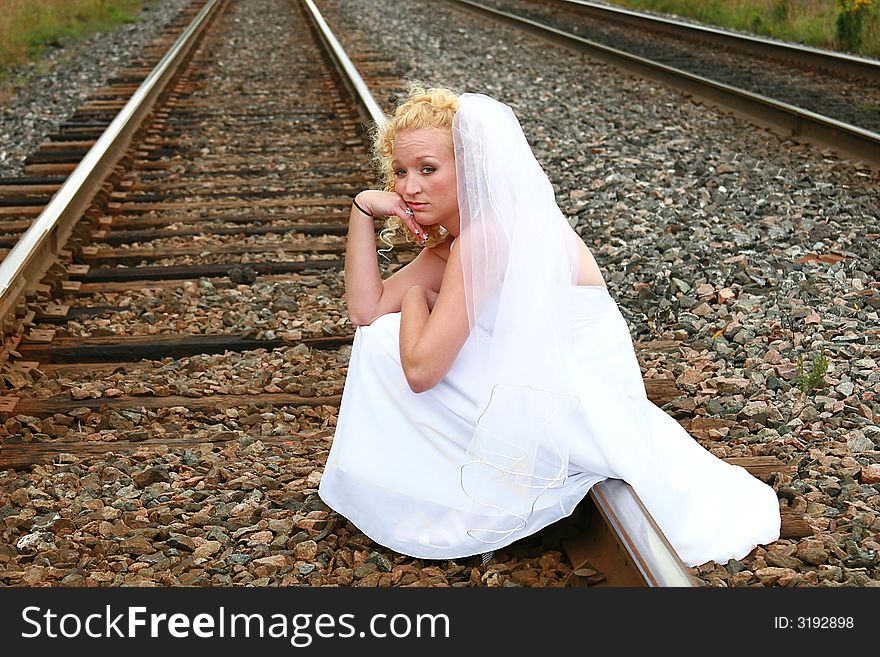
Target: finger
[
  {"x": 419, "y": 229},
  {"x": 407, "y": 217},
  {"x": 404, "y": 213}
]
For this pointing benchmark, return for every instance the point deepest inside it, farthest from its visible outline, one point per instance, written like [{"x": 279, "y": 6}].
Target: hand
[{"x": 386, "y": 204}]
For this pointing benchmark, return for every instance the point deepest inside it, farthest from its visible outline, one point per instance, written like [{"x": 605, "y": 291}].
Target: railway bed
[{"x": 231, "y": 416}]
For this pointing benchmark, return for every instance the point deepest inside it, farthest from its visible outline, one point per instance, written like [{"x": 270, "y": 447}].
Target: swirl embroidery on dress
[{"x": 506, "y": 460}]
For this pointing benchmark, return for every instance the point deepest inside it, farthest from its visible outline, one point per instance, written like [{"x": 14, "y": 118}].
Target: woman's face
[{"x": 424, "y": 170}]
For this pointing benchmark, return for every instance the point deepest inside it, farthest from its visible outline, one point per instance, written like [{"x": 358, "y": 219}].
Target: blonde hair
[{"x": 433, "y": 107}]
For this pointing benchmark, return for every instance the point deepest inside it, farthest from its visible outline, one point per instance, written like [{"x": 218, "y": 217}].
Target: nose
[{"x": 411, "y": 186}]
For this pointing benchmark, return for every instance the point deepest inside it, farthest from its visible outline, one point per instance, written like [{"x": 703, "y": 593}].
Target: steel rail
[
  {"x": 634, "y": 530},
  {"x": 840, "y": 62},
  {"x": 367, "y": 105},
  {"x": 639, "y": 536},
  {"x": 788, "y": 120},
  {"x": 39, "y": 246}
]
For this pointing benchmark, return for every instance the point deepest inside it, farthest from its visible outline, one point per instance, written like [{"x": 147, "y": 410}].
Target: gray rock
[
  {"x": 859, "y": 558},
  {"x": 383, "y": 562},
  {"x": 365, "y": 569},
  {"x": 859, "y": 443},
  {"x": 242, "y": 275}
]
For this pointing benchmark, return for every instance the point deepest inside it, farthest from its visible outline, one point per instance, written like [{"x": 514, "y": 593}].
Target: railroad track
[
  {"x": 826, "y": 98},
  {"x": 180, "y": 297}
]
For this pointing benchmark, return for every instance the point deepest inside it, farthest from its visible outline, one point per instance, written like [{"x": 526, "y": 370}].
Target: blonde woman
[{"x": 493, "y": 380}]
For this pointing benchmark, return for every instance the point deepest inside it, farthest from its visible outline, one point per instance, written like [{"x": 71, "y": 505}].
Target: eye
[
  {"x": 428, "y": 169},
  {"x": 399, "y": 173}
]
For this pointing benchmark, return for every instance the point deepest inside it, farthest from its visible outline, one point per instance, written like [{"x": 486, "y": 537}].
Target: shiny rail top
[
  {"x": 648, "y": 548},
  {"x": 350, "y": 75}
]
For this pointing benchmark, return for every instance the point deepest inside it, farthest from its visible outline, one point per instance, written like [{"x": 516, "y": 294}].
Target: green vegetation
[
  {"x": 815, "y": 378},
  {"x": 846, "y": 25},
  {"x": 851, "y": 23},
  {"x": 29, "y": 26}
]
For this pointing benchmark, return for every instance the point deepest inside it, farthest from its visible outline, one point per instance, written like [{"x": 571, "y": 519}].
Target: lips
[{"x": 416, "y": 207}]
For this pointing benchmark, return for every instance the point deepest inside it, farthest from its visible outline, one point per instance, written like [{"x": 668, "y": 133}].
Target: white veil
[{"x": 518, "y": 253}]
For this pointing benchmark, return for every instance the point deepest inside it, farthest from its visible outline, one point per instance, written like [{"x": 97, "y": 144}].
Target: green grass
[
  {"x": 27, "y": 27},
  {"x": 811, "y": 22},
  {"x": 808, "y": 381}
]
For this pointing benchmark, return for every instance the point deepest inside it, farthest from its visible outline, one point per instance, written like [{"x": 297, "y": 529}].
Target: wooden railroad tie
[
  {"x": 41, "y": 347},
  {"x": 48, "y": 406}
]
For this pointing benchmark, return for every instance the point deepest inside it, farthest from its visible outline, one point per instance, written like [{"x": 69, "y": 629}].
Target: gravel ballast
[{"x": 703, "y": 227}]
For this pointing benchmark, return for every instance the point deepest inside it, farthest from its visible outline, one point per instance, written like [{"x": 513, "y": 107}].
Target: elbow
[
  {"x": 419, "y": 384},
  {"x": 361, "y": 316},
  {"x": 420, "y": 379},
  {"x": 359, "y": 313},
  {"x": 358, "y": 319}
]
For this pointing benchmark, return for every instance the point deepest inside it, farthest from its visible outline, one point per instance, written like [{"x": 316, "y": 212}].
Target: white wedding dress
[{"x": 394, "y": 467}]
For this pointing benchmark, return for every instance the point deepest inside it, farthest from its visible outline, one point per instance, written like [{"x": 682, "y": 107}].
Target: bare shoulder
[{"x": 590, "y": 273}]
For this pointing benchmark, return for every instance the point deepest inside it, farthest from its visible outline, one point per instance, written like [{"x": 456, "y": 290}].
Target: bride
[{"x": 493, "y": 380}]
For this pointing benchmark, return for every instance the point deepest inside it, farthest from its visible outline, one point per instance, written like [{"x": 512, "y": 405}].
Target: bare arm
[
  {"x": 430, "y": 340},
  {"x": 363, "y": 284},
  {"x": 364, "y": 287}
]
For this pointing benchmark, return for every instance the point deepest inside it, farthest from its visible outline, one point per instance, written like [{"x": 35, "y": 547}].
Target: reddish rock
[
  {"x": 730, "y": 384},
  {"x": 408, "y": 578},
  {"x": 704, "y": 290},
  {"x": 307, "y": 550},
  {"x": 343, "y": 576},
  {"x": 773, "y": 357},
  {"x": 137, "y": 546},
  {"x": 206, "y": 550},
  {"x": 527, "y": 577},
  {"x": 870, "y": 474},
  {"x": 264, "y": 536},
  {"x": 277, "y": 560},
  {"x": 771, "y": 574},
  {"x": 690, "y": 376},
  {"x": 34, "y": 575},
  {"x": 725, "y": 295},
  {"x": 370, "y": 580},
  {"x": 550, "y": 560},
  {"x": 789, "y": 579}
]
